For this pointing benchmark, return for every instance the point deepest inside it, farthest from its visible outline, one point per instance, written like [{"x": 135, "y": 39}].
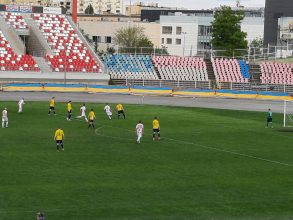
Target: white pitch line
[
  {"x": 217, "y": 149},
  {"x": 200, "y": 145},
  {"x": 232, "y": 152}
]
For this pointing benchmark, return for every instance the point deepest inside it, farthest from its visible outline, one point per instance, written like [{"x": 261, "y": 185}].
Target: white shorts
[
  {"x": 109, "y": 113},
  {"x": 83, "y": 115},
  {"x": 139, "y": 135},
  {"x": 4, "y": 119}
]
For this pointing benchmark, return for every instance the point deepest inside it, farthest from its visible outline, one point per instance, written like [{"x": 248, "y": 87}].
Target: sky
[{"x": 204, "y": 4}]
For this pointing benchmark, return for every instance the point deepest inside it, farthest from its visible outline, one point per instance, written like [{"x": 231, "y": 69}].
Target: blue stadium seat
[{"x": 244, "y": 69}]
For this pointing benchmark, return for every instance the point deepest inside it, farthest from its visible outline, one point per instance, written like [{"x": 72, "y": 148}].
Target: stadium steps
[
  {"x": 95, "y": 56},
  {"x": 43, "y": 65},
  {"x": 255, "y": 73},
  {"x": 37, "y": 44},
  {"x": 157, "y": 72},
  {"x": 14, "y": 40},
  {"x": 210, "y": 70}
]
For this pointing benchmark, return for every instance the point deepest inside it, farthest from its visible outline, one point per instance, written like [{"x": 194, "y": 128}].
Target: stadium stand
[
  {"x": 229, "y": 70},
  {"x": 15, "y": 20},
  {"x": 244, "y": 69},
  {"x": 181, "y": 68},
  {"x": 130, "y": 66},
  {"x": 70, "y": 53},
  {"x": 276, "y": 73},
  {"x": 10, "y": 61}
]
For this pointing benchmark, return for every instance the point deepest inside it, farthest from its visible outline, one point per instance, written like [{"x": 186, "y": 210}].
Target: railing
[{"x": 213, "y": 85}]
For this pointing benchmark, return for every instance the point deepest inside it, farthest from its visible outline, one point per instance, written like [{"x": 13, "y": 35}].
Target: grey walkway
[{"x": 219, "y": 103}]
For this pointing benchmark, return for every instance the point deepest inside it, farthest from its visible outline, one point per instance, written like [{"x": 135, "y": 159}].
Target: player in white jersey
[
  {"x": 20, "y": 104},
  {"x": 108, "y": 111},
  {"x": 5, "y": 118},
  {"x": 83, "y": 113},
  {"x": 139, "y": 131}
]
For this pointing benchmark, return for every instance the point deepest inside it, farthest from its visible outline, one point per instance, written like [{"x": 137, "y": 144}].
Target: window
[
  {"x": 204, "y": 30},
  {"x": 167, "y": 30},
  {"x": 178, "y": 30},
  {"x": 163, "y": 40},
  {"x": 178, "y": 41},
  {"x": 108, "y": 40},
  {"x": 169, "y": 40},
  {"x": 97, "y": 39}
]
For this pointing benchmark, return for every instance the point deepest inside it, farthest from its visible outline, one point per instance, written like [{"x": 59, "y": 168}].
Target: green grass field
[{"x": 210, "y": 164}]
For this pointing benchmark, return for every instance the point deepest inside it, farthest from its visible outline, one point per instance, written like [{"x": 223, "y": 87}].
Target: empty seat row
[
  {"x": 15, "y": 20},
  {"x": 129, "y": 66},
  {"x": 70, "y": 53},
  {"x": 276, "y": 73},
  {"x": 181, "y": 68},
  {"x": 229, "y": 70},
  {"x": 10, "y": 61}
]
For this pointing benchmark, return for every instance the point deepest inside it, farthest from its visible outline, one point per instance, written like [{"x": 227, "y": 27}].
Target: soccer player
[
  {"x": 83, "y": 112},
  {"x": 59, "y": 137},
  {"x": 156, "y": 129},
  {"x": 139, "y": 131},
  {"x": 69, "y": 110},
  {"x": 52, "y": 106},
  {"x": 269, "y": 119},
  {"x": 91, "y": 118},
  {"x": 108, "y": 111},
  {"x": 120, "y": 110},
  {"x": 5, "y": 118},
  {"x": 20, "y": 104}
]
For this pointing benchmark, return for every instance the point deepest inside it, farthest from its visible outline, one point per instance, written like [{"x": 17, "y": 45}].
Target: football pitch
[{"x": 209, "y": 164}]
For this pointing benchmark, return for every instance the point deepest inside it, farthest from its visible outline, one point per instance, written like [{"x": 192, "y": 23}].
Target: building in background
[
  {"x": 101, "y": 29},
  {"x": 98, "y": 6},
  {"x": 274, "y": 10},
  {"x": 136, "y": 8},
  {"x": 183, "y": 34},
  {"x": 101, "y": 6},
  {"x": 189, "y": 33},
  {"x": 26, "y": 2}
]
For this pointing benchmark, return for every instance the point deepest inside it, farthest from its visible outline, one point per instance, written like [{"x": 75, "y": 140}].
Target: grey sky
[{"x": 204, "y": 4}]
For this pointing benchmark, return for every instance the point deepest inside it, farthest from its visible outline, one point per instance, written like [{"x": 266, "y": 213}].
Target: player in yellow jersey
[
  {"x": 156, "y": 129},
  {"x": 120, "y": 110},
  {"x": 91, "y": 118},
  {"x": 59, "y": 137},
  {"x": 52, "y": 106},
  {"x": 69, "y": 110}
]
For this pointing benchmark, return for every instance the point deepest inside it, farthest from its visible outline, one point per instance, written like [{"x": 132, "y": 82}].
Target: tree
[
  {"x": 227, "y": 34},
  {"x": 89, "y": 10},
  {"x": 257, "y": 43},
  {"x": 132, "y": 37}
]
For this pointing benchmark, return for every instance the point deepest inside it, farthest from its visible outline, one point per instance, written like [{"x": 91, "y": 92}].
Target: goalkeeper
[{"x": 269, "y": 119}]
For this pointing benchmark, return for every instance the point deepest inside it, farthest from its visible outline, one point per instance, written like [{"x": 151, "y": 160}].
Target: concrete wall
[
  {"x": 254, "y": 27},
  {"x": 274, "y": 10}
]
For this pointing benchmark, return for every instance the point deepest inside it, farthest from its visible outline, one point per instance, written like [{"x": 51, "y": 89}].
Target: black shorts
[
  {"x": 120, "y": 112},
  {"x": 69, "y": 112},
  {"x": 156, "y": 130},
  {"x": 269, "y": 119},
  {"x": 59, "y": 141},
  {"x": 52, "y": 107},
  {"x": 91, "y": 121}
]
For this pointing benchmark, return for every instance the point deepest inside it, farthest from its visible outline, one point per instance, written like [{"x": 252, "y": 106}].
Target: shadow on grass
[{"x": 285, "y": 129}]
